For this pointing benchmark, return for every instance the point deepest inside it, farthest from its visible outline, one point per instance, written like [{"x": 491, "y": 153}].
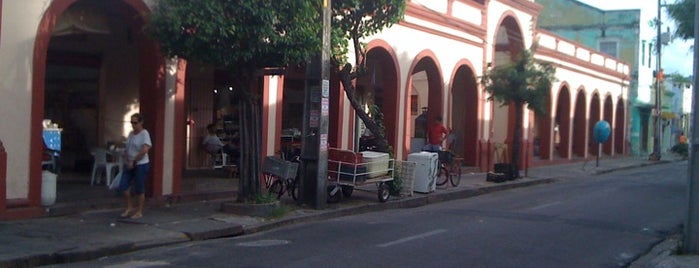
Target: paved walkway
[{"x": 94, "y": 234}]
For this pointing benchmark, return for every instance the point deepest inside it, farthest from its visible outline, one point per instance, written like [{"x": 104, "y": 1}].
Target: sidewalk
[{"x": 95, "y": 234}]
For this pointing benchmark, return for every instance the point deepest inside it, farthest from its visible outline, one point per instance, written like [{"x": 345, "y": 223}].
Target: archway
[
  {"x": 541, "y": 136},
  {"x": 561, "y": 127},
  {"x": 380, "y": 88},
  {"x": 609, "y": 117},
  {"x": 87, "y": 62},
  {"x": 426, "y": 96},
  {"x": 464, "y": 111},
  {"x": 579, "y": 122},
  {"x": 508, "y": 44},
  {"x": 619, "y": 127},
  {"x": 595, "y": 117}
]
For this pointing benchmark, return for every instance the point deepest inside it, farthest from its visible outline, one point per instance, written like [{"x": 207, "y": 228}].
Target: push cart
[{"x": 348, "y": 170}]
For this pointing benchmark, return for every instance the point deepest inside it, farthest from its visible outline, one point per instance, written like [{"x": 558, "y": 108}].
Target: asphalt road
[{"x": 600, "y": 221}]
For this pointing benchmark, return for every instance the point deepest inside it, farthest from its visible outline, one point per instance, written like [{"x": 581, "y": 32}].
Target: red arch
[
  {"x": 41, "y": 44},
  {"x": 607, "y": 147},
  {"x": 427, "y": 61},
  {"x": 391, "y": 86},
  {"x": 515, "y": 44},
  {"x": 594, "y": 117},
  {"x": 471, "y": 125},
  {"x": 580, "y": 123},
  {"x": 563, "y": 109}
]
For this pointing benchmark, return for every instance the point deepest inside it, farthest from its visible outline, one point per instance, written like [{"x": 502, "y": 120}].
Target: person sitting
[{"x": 213, "y": 144}]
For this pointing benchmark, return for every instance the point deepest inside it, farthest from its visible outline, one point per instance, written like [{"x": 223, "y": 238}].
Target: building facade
[
  {"x": 87, "y": 66},
  {"x": 616, "y": 33}
]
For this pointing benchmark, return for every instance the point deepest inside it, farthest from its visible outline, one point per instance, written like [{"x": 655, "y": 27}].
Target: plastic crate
[{"x": 281, "y": 168}]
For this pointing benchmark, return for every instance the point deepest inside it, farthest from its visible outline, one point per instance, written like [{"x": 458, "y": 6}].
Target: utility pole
[
  {"x": 691, "y": 226},
  {"x": 658, "y": 95},
  {"x": 314, "y": 148}
]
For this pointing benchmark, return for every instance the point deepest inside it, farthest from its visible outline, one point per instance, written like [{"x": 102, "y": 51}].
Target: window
[{"x": 609, "y": 47}]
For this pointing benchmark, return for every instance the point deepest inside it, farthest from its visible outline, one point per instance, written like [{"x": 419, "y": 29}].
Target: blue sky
[{"x": 677, "y": 56}]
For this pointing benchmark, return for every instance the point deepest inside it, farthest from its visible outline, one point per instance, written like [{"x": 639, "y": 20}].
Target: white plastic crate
[{"x": 375, "y": 163}]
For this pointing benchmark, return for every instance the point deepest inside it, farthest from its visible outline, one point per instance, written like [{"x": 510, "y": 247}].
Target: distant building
[{"x": 616, "y": 33}]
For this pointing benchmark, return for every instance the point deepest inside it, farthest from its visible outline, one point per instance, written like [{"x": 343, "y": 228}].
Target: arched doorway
[
  {"x": 595, "y": 117},
  {"x": 508, "y": 44},
  {"x": 425, "y": 91},
  {"x": 561, "y": 139},
  {"x": 609, "y": 117},
  {"x": 619, "y": 126},
  {"x": 464, "y": 111},
  {"x": 380, "y": 87},
  {"x": 579, "y": 122},
  {"x": 541, "y": 134},
  {"x": 93, "y": 67}
]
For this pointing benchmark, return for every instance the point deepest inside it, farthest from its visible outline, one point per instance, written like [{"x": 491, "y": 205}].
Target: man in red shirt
[{"x": 436, "y": 135}]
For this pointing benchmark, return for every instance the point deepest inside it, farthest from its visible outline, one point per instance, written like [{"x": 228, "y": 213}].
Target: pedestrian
[
  {"x": 436, "y": 135},
  {"x": 137, "y": 165},
  {"x": 682, "y": 139}
]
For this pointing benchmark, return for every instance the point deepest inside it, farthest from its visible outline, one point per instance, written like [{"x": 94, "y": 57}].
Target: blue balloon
[{"x": 602, "y": 131}]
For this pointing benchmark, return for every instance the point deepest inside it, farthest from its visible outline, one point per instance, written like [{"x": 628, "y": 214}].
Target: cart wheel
[
  {"x": 383, "y": 192},
  {"x": 347, "y": 190},
  {"x": 334, "y": 194}
]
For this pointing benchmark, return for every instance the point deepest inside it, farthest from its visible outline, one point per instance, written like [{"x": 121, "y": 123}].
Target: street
[{"x": 607, "y": 220}]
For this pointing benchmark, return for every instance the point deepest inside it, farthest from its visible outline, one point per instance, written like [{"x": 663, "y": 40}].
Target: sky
[{"x": 677, "y": 56}]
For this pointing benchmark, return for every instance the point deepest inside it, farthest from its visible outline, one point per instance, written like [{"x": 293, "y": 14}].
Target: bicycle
[
  {"x": 280, "y": 177},
  {"x": 449, "y": 169}
]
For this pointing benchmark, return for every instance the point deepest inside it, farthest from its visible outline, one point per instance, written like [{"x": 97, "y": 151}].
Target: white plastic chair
[{"x": 100, "y": 161}]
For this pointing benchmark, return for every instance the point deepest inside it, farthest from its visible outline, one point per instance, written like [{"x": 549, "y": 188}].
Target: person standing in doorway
[
  {"x": 436, "y": 135},
  {"x": 137, "y": 165}
]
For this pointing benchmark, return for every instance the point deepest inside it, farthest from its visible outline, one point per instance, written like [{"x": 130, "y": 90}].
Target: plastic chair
[
  {"x": 100, "y": 161},
  {"x": 219, "y": 159}
]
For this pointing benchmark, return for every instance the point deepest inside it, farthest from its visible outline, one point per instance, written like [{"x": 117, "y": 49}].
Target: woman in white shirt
[{"x": 137, "y": 165}]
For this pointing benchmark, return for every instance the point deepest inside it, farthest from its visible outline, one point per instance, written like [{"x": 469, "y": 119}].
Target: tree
[
  {"x": 523, "y": 81},
  {"x": 241, "y": 37},
  {"x": 352, "y": 21},
  {"x": 683, "y": 13}
]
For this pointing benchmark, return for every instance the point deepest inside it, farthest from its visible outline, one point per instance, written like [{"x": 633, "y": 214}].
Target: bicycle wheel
[
  {"x": 294, "y": 189},
  {"x": 277, "y": 188},
  {"x": 455, "y": 174},
  {"x": 442, "y": 175}
]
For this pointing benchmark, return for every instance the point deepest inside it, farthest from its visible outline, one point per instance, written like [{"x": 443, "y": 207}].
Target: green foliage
[
  {"x": 265, "y": 198},
  {"x": 238, "y": 35},
  {"x": 523, "y": 81},
  {"x": 242, "y": 37},
  {"x": 683, "y": 13},
  {"x": 679, "y": 78},
  {"x": 355, "y": 19}
]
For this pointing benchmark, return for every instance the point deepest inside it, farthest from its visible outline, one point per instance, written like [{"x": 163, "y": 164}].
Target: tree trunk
[
  {"x": 516, "y": 138},
  {"x": 379, "y": 135},
  {"x": 250, "y": 133}
]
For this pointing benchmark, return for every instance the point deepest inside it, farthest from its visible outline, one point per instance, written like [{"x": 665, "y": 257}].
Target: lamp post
[{"x": 658, "y": 95}]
